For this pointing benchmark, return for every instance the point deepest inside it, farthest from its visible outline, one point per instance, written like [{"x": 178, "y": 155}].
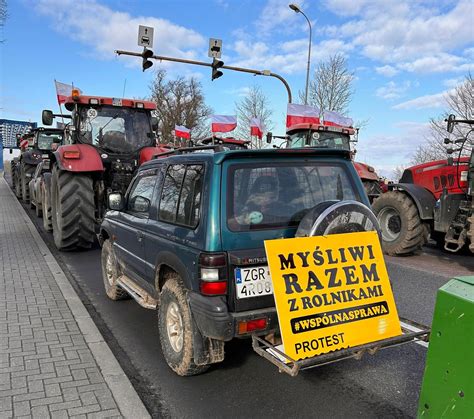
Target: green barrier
[{"x": 448, "y": 382}]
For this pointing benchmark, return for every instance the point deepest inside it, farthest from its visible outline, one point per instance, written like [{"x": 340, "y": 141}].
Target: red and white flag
[
  {"x": 182, "y": 132},
  {"x": 24, "y": 144},
  {"x": 63, "y": 91},
  {"x": 335, "y": 119},
  {"x": 223, "y": 123},
  {"x": 301, "y": 114},
  {"x": 256, "y": 127}
]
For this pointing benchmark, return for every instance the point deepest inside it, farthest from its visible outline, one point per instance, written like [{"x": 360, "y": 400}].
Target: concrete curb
[{"x": 127, "y": 399}]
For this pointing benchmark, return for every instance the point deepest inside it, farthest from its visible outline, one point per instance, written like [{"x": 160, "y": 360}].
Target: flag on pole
[
  {"x": 182, "y": 132},
  {"x": 335, "y": 119},
  {"x": 301, "y": 114},
  {"x": 63, "y": 91},
  {"x": 256, "y": 127},
  {"x": 223, "y": 123}
]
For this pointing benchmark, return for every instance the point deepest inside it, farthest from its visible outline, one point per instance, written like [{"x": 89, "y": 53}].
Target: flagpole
[{"x": 59, "y": 103}]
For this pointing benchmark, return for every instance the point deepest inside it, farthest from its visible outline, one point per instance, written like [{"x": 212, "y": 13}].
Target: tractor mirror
[
  {"x": 11, "y": 150},
  {"x": 450, "y": 120},
  {"x": 269, "y": 137},
  {"x": 154, "y": 123},
  {"x": 116, "y": 202},
  {"x": 47, "y": 117}
]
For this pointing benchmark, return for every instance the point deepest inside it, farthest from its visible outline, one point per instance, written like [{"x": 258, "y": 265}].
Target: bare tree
[
  {"x": 180, "y": 102},
  {"x": 397, "y": 173},
  {"x": 460, "y": 102},
  {"x": 331, "y": 87},
  {"x": 253, "y": 105}
]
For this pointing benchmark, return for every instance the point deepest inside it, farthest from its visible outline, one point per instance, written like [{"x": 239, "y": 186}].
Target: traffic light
[
  {"x": 216, "y": 64},
  {"x": 146, "y": 54}
]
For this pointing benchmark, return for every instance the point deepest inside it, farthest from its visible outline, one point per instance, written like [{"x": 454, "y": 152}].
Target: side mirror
[
  {"x": 269, "y": 137},
  {"x": 139, "y": 204},
  {"x": 47, "y": 117},
  {"x": 116, "y": 202},
  {"x": 154, "y": 123},
  {"x": 450, "y": 120},
  {"x": 11, "y": 150}
]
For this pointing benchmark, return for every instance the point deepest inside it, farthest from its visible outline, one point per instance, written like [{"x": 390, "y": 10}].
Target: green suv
[{"x": 187, "y": 239}]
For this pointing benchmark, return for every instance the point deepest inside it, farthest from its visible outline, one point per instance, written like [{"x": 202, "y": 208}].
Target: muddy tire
[
  {"x": 72, "y": 205},
  {"x": 13, "y": 174},
  {"x": 17, "y": 182},
  {"x": 26, "y": 169},
  {"x": 470, "y": 232},
  {"x": 402, "y": 229},
  {"x": 46, "y": 209},
  {"x": 176, "y": 329},
  {"x": 110, "y": 273},
  {"x": 38, "y": 209}
]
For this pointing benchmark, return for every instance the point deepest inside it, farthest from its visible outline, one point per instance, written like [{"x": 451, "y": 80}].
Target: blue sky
[{"x": 405, "y": 54}]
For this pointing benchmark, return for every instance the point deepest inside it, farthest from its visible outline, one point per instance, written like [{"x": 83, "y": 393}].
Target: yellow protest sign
[{"x": 331, "y": 292}]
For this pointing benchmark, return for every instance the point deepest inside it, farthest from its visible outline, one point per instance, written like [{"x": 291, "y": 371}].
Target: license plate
[{"x": 253, "y": 282}]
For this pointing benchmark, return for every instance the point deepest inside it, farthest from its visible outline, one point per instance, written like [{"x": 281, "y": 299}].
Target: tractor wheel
[
  {"x": 18, "y": 182},
  {"x": 470, "y": 232},
  {"x": 72, "y": 205},
  {"x": 175, "y": 326},
  {"x": 46, "y": 208},
  {"x": 26, "y": 169},
  {"x": 39, "y": 208},
  {"x": 13, "y": 175},
  {"x": 402, "y": 229}
]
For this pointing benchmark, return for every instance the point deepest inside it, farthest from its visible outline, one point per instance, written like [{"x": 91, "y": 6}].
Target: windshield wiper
[{"x": 101, "y": 130}]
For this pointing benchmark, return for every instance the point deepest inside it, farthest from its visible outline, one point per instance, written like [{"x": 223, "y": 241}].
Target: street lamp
[{"x": 296, "y": 9}]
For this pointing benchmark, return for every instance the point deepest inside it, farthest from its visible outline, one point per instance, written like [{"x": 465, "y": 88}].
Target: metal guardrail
[{"x": 288, "y": 365}]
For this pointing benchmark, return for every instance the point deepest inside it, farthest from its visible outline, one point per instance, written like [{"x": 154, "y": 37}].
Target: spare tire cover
[{"x": 336, "y": 217}]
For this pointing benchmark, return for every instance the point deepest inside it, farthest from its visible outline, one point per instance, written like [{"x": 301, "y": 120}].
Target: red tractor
[
  {"x": 434, "y": 198},
  {"x": 104, "y": 143},
  {"x": 319, "y": 135}
]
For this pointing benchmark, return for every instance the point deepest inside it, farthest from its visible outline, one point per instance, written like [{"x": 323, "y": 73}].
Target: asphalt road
[{"x": 245, "y": 385}]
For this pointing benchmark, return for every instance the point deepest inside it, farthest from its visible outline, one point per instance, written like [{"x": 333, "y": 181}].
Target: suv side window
[
  {"x": 181, "y": 195},
  {"x": 139, "y": 198}
]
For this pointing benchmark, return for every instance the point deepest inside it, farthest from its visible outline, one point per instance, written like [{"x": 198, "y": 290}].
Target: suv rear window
[{"x": 279, "y": 195}]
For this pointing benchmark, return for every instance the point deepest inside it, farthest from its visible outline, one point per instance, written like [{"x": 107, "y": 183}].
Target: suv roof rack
[{"x": 217, "y": 147}]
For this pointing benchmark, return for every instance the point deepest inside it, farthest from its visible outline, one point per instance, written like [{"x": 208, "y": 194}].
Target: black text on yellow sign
[{"x": 331, "y": 292}]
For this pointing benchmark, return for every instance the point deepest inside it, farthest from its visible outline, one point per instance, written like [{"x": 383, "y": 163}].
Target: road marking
[{"x": 414, "y": 329}]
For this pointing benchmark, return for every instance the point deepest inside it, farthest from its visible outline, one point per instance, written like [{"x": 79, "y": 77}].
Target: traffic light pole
[{"x": 204, "y": 64}]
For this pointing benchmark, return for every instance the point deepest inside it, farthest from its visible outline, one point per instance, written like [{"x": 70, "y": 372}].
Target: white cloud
[
  {"x": 277, "y": 15},
  {"x": 105, "y": 30},
  {"x": 387, "y": 71},
  {"x": 425, "y": 102},
  {"x": 411, "y": 36},
  {"x": 392, "y": 90}
]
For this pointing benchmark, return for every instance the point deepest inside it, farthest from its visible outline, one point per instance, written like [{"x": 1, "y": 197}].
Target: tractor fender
[
  {"x": 147, "y": 153},
  {"x": 87, "y": 158},
  {"x": 365, "y": 171},
  {"x": 422, "y": 197},
  {"x": 31, "y": 157}
]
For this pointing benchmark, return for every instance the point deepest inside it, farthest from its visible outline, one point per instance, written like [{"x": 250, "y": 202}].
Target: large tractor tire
[
  {"x": 72, "y": 199},
  {"x": 26, "y": 172},
  {"x": 18, "y": 193},
  {"x": 13, "y": 174},
  {"x": 46, "y": 206},
  {"x": 403, "y": 231},
  {"x": 470, "y": 233}
]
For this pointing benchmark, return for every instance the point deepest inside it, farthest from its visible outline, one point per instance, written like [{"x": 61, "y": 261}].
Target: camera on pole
[
  {"x": 147, "y": 54},
  {"x": 216, "y": 64}
]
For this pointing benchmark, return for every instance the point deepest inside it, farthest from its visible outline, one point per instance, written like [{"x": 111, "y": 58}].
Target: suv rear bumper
[{"x": 215, "y": 321}]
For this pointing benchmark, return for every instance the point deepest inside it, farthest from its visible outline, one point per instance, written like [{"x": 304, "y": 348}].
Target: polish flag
[
  {"x": 335, "y": 119},
  {"x": 223, "y": 123},
  {"x": 256, "y": 127},
  {"x": 301, "y": 114},
  {"x": 24, "y": 144},
  {"x": 63, "y": 91},
  {"x": 182, "y": 132}
]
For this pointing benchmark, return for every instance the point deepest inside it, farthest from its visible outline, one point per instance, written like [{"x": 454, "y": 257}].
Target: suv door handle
[{"x": 139, "y": 236}]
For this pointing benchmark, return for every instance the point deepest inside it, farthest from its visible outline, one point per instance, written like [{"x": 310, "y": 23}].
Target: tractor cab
[
  {"x": 229, "y": 142},
  {"x": 318, "y": 135},
  {"x": 47, "y": 139}
]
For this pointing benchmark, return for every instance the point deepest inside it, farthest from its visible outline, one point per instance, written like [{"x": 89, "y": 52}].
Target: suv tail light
[
  {"x": 247, "y": 326},
  {"x": 213, "y": 273}
]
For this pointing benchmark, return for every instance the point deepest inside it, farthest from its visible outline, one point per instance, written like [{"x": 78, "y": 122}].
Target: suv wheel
[
  {"x": 110, "y": 273},
  {"x": 176, "y": 329}
]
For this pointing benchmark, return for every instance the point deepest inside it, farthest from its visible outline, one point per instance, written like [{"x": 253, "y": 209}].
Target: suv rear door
[{"x": 266, "y": 199}]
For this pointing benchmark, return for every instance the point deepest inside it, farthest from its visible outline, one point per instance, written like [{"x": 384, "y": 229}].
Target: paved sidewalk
[{"x": 53, "y": 360}]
